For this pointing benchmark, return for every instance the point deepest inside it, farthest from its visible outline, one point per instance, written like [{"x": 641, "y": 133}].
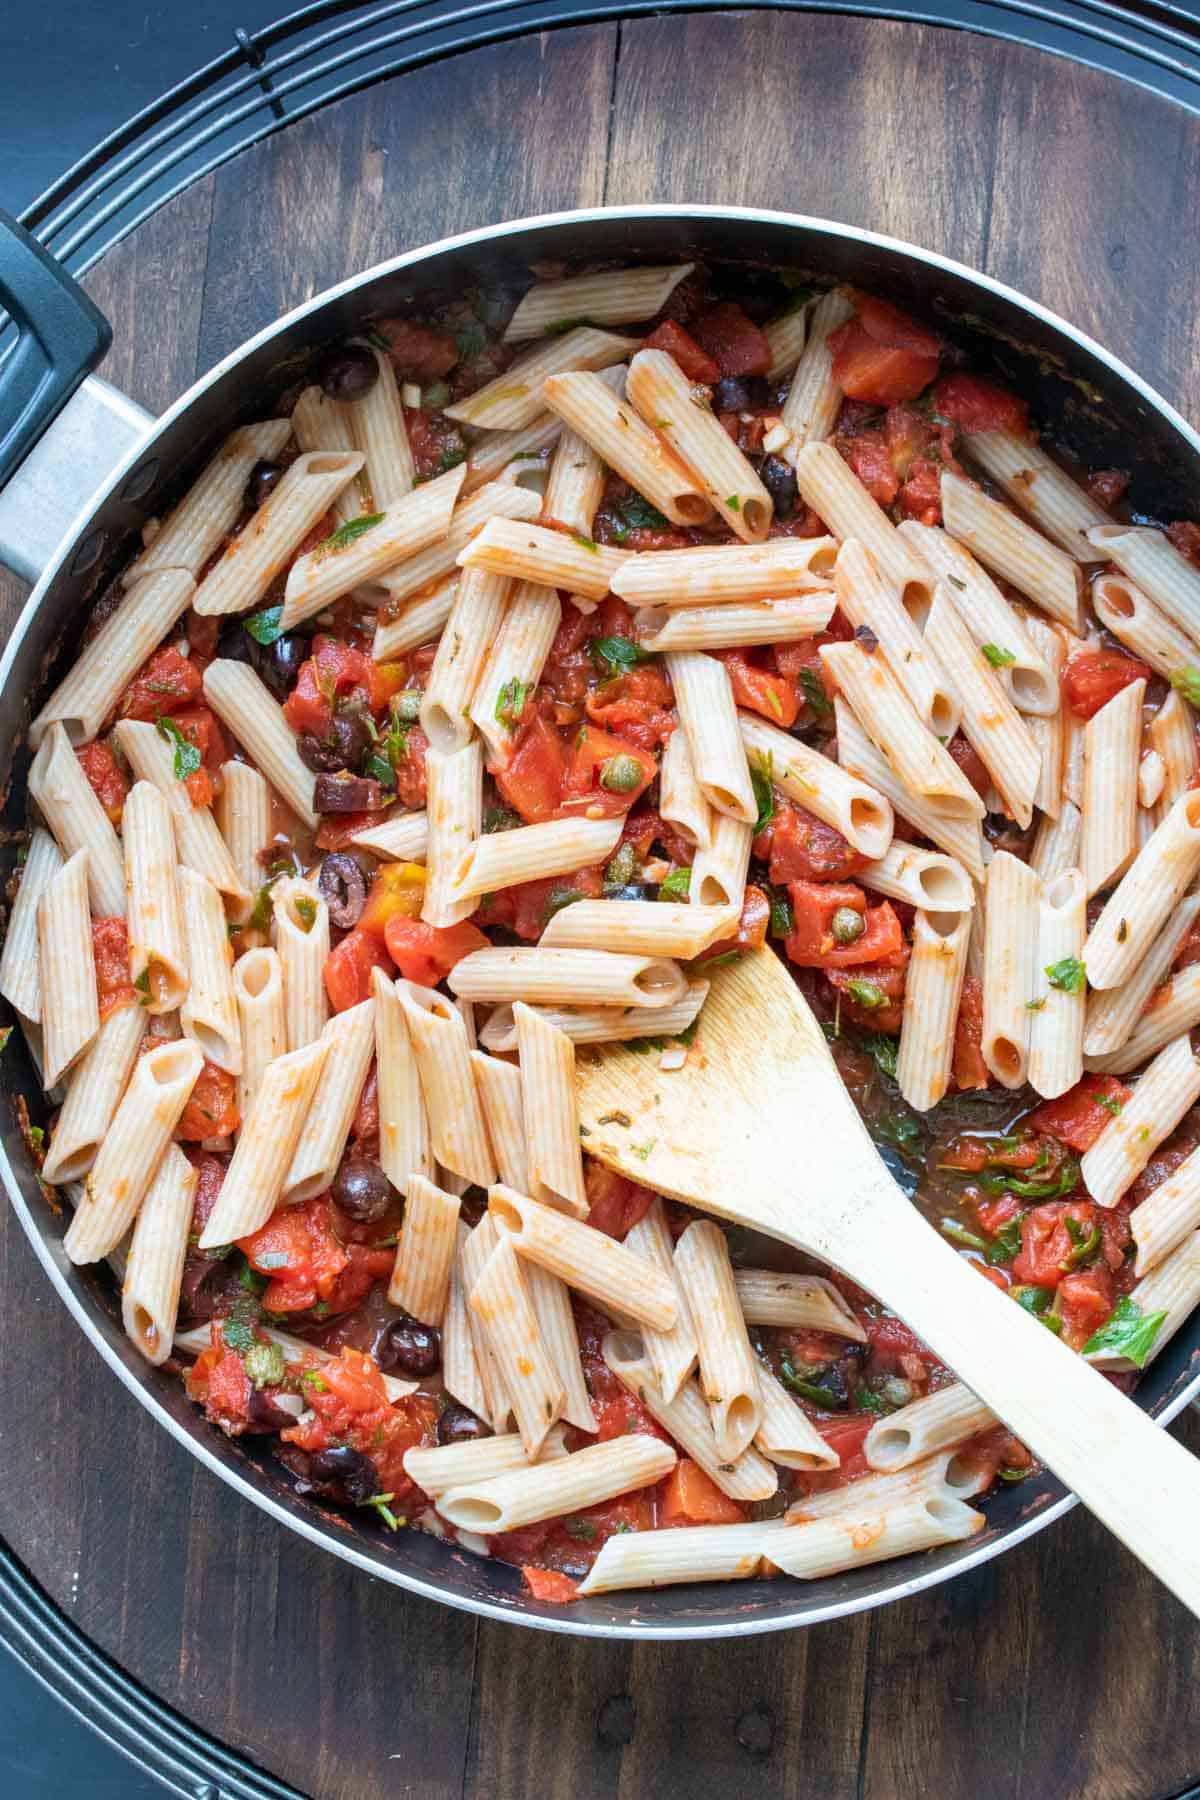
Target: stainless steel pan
[{"x": 90, "y": 467}]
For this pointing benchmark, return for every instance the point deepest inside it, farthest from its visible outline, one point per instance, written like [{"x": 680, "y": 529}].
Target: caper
[
  {"x": 621, "y": 774},
  {"x": 847, "y": 925},
  {"x": 406, "y": 706}
]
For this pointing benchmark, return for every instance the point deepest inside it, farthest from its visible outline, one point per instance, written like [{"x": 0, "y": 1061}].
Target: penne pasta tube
[
  {"x": 1131, "y": 616},
  {"x": 1012, "y": 549},
  {"x": 1167, "y": 1216},
  {"x": 1155, "y": 883},
  {"x": 299, "y": 1351},
  {"x": 435, "y": 1468},
  {"x": 1058, "y": 1002},
  {"x": 585, "y": 1259},
  {"x": 814, "y": 398},
  {"x": 514, "y": 665},
  {"x": 749, "y": 622},
  {"x": 502, "y": 859},
  {"x": 575, "y": 483},
  {"x": 107, "y": 663},
  {"x": 502, "y": 454},
  {"x": 682, "y": 414},
  {"x": 514, "y": 398},
  {"x": 1112, "y": 742},
  {"x": 916, "y": 1431},
  {"x": 829, "y": 485},
  {"x": 640, "y": 927},
  {"x": 253, "y": 1184},
  {"x": 1170, "y": 1291},
  {"x": 480, "y": 603},
  {"x": 19, "y": 982},
  {"x": 454, "y": 810},
  {"x": 565, "y": 977},
  {"x": 612, "y": 297},
  {"x": 709, "y": 719},
  {"x": 827, "y": 1546},
  {"x": 1152, "y": 777},
  {"x": 500, "y": 1302},
  {"x": 462, "y": 1375},
  {"x": 420, "y": 1281},
  {"x": 990, "y": 721},
  {"x": 319, "y": 423},
  {"x": 404, "y": 838},
  {"x": 458, "y": 1133},
  {"x": 820, "y": 785},
  {"x": 1150, "y": 560},
  {"x": 132, "y": 1149},
  {"x": 553, "y": 1156},
  {"x": 243, "y": 703},
  {"x": 154, "y": 1268},
  {"x": 719, "y": 870},
  {"x": 195, "y": 529},
  {"x": 787, "y": 1435},
  {"x": 474, "y": 1250},
  {"x": 923, "y": 878},
  {"x": 1172, "y": 733},
  {"x": 799, "y": 1302},
  {"x": 1113, "y": 1015},
  {"x": 947, "y": 1474},
  {"x": 713, "y": 575},
  {"x": 936, "y": 972},
  {"x": 1175, "y": 1007},
  {"x": 266, "y": 544},
  {"x": 1041, "y": 488},
  {"x": 198, "y": 842},
  {"x": 549, "y": 558},
  {"x": 300, "y": 930},
  {"x": 262, "y": 1018},
  {"x": 688, "y": 1420},
  {"x": 94, "y": 1093},
  {"x": 377, "y": 424},
  {"x": 244, "y": 821},
  {"x": 626, "y": 443},
  {"x": 680, "y": 802},
  {"x": 920, "y": 762},
  {"x": 1072, "y": 783},
  {"x": 1057, "y": 844},
  {"x": 1165, "y": 1092},
  {"x": 873, "y": 605},
  {"x": 412, "y": 578},
  {"x": 959, "y": 837},
  {"x": 70, "y": 1008},
  {"x": 599, "y": 1024},
  {"x": 209, "y": 1012},
  {"x": 365, "y": 547},
  {"x": 672, "y": 1354},
  {"x": 551, "y": 1302},
  {"x": 404, "y": 1143},
  {"x": 728, "y": 1367},
  {"x": 349, "y": 1038},
  {"x": 77, "y": 820},
  {"x": 992, "y": 621},
  {"x": 501, "y": 1096},
  {"x": 1013, "y": 894},
  {"x": 667, "y": 1557},
  {"x": 786, "y": 336},
  {"x": 1052, "y": 732},
  {"x": 564, "y": 1485}
]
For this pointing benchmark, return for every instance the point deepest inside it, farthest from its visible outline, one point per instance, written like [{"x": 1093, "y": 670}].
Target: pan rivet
[
  {"x": 140, "y": 482},
  {"x": 88, "y": 553},
  {"x": 755, "y": 1730},
  {"x": 615, "y": 1721}
]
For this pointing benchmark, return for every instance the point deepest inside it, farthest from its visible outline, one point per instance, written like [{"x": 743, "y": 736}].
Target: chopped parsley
[
  {"x": 1007, "y": 1242},
  {"x": 313, "y": 1379},
  {"x": 884, "y": 1050},
  {"x": 582, "y": 1530},
  {"x": 379, "y": 768},
  {"x": 676, "y": 886},
  {"x": 1186, "y": 681},
  {"x": 510, "y": 703},
  {"x": 1084, "y": 1245},
  {"x": 383, "y": 1506},
  {"x": 187, "y": 756},
  {"x": 733, "y": 503},
  {"x": 807, "y": 1390},
  {"x": 264, "y": 627},
  {"x": 615, "y": 656},
  {"x": 585, "y": 543},
  {"x": 499, "y": 818},
  {"x": 782, "y": 917},
  {"x": 816, "y": 699},
  {"x": 999, "y": 659},
  {"x": 352, "y": 530},
  {"x": 1037, "y": 1300},
  {"x": 958, "y": 1234},
  {"x": 635, "y": 514},
  {"x": 1003, "y": 1181},
  {"x": 1069, "y": 975},
  {"x": 306, "y": 911},
  {"x": 903, "y": 1132},
  {"x": 764, "y": 795},
  {"x": 1111, "y": 1104},
  {"x": 1127, "y": 1332}
]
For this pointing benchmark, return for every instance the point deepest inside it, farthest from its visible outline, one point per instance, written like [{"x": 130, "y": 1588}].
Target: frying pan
[{"x": 85, "y": 468}]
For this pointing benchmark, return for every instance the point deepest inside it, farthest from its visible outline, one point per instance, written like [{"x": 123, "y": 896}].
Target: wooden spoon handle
[{"x": 1142, "y": 1483}]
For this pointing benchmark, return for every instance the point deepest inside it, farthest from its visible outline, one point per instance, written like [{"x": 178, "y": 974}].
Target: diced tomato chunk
[
  {"x": 872, "y": 995},
  {"x": 759, "y": 689},
  {"x": 881, "y": 355},
  {"x": 524, "y": 909},
  {"x": 811, "y": 944},
  {"x": 348, "y": 968},
  {"x": 212, "y": 1109},
  {"x": 592, "y": 753},
  {"x": 105, "y": 777},
  {"x": 110, "y": 953},
  {"x": 418, "y": 351},
  {"x": 615, "y": 1204},
  {"x": 1079, "y": 1116},
  {"x": 427, "y": 953},
  {"x": 531, "y": 781},
  {"x": 1094, "y": 677},
  {"x": 751, "y": 934},
  {"x": 1185, "y": 535},
  {"x": 298, "y": 1250},
  {"x": 800, "y": 847},
  {"x": 696, "y": 363},
  {"x": 550, "y": 1585},
  {"x": 690, "y": 1497},
  {"x": 970, "y": 1070},
  {"x": 166, "y": 683},
  {"x": 397, "y": 892},
  {"x": 733, "y": 340},
  {"x": 977, "y": 404}
]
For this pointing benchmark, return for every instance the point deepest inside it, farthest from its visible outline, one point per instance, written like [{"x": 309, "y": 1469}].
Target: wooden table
[{"x": 1059, "y": 1670}]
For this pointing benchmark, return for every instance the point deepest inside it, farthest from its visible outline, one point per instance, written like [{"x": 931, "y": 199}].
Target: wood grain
[{"x": 1060, "y": 1669}]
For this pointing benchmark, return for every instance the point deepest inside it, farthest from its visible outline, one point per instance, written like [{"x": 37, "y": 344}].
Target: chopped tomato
[
  {"x": 774, "y": 696},
  {"x": 105, "y": 777},
  {"x": 811, "y": 944},
  {"x": 418, "y": 351},
  {"x": 881, "y": 355},
  {"x": 622, "y": 1413},
  {"x": 435, "y": 441},
  {"x": 549, "y": 1585},
  {"x": 637, "y": 708},
  {"x": 348, "y": 968},
  {"x": 366, "y": 1266},
  {"x": 110, "y": 953},
  {"x": 583, "y": 789},
  {"x": 1079, "y": 1116},
  {"x": 1048, "y": 1245},
  {"x": 615, "y": 1204},
  {"x": 338, "y": 670},
  {"x": 868, "y": 455},
  {"x": 1094, "y": 677},
  {"x": 690, "y": 1497},
  {"x": 397, "y": 892},
  {"x": 970, "y": 1070},
  {"x": 524, "y": 909},
  {"x": 996, "y": 1212},
  {"x": 979, "y": 405},
  {"x": 298, "y": 1250},
  {"x": 569, "y": 1545},
  {"x": 350, "y": 1406},
  {"x": 167, "y": 682},
  {"x": 971, "y": 1154},
  {"x": 873, "y": 993},
  {"x": 800, "y": 847},
  {"x": 696, "y": 363},
  {"x": 337, "y": 830},
  {"x": 219, "y": 1382},
  {"x": 921, "y": 496},
  {"x": 1107, "y": 486},
  {"x": 212, "y": 1109},
  {"x": 531, "y": 781},
  {"x": 427, "y": 953},
  {"x": 751, "y": 933},
  {"x": 733, "y": 340},
  {"x": 410, "y": 771},
  {"x": 846, "y": 1436}
]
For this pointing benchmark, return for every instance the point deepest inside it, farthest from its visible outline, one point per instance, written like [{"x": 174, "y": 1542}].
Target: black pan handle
[{"x": 60, "y": 337}]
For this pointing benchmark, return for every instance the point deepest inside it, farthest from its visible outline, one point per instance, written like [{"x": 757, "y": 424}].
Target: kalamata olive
[
  {"x": 209, "y": 1286},
  {"x": 344, "y": 1474},
  {"x": 317, "y": 754},
  {"x": 265, "y": 477},
  {"x": 345, "y": 793},
  {"x": 629, "y": 890},
  {"x": 739, "y": 393},
  {"x": 348, "y": 372},
  {"x": 779, "y": 479},
  {"x": 236, "y": 645},
  {"x": 411, "y": 1347},
  {"x": 361, "y": 1189},
  {"x": 343, "y": 888},
  {"x": 458, "y": 1425},
  {"x": 263, "y": 1414},
  {"x": 279, "y": 663}
]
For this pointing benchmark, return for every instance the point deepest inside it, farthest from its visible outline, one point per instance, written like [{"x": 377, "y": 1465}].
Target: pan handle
[{"x": 61, "y": 429}]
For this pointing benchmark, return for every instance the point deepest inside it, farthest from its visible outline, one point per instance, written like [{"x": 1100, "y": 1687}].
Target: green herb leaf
[
  {"x": 782, "y": 917},
  {"x": 764, "y": 794},
  {"x": 238, "y": 1335},
  {"x": 1003, "y": 1181},
  {"x": 958, "y": 1234},
  {"x": 471, "y": 340},
  {"x": 382, "y": 1505},
  {"x": 306, "y": 911},
  {"x": 264, "y": 1364},
  {"x": 903, "y": 1132},
  {"x": 617, "y": 655},
  {"x": 260, "y": 917},
  {"x": 677, "y": 885},
  {"x": 637, "y": 514},
  {"x": 1084, "y": 1245},
  {"x": 807, "y": 1390},
  {"x": 999, "y": 659},
  {"x": 733, "y": 503},
  {"x": 1007, "y": 1242},
  {"x": 885, "y": 1051},
  {"x": 1037, "y": 1300},
  {"x": 351, "y": 530},
  {"x": 1111, "y": 1104},
  {"x": 313, "y": 1379},
  {"x": 187, "y": 757},
  {"x": 585, "y": 543},
  {"x": 379, "y": 769},
  {"x": 500, "y": 818},
  {"x": 1069, "y": 975},
  {"x": 867, "y": 1400},
  {"x": 560, "y": 897},
  {"x": 1127, "y": 1332},
  {"x": 510, "y": 703},
  {"x": 250, "y": 1279},
  {"x": 816, "y": 698},
  {"x": 1186, "y": 681},
  {"x": 1035, "y": 1005},
  {"x": 264, "y": 627}
]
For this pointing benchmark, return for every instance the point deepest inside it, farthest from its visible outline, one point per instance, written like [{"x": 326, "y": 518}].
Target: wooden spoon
[{"x": 759, "y": 1129}]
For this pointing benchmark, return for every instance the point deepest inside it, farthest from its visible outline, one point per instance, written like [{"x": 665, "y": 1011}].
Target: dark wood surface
[{"x": 1060, "y": 1670}]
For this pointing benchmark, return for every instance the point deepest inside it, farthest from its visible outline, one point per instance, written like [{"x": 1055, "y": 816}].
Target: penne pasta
[
  {"x": 209, "y": 1012},
  {"x": 814, "y": 398},
  {"x": 1135, "y": 913},
  {"x": 300, "y": 931},
  {"x": 719, "y": 870},
  {"x": 1175, "y": 1008},
  {"x": 501, "y": 1096},
  {"x": 680, "y": 802},
  {"x": 196, "y": 528},
  {"x": 820, "y": 785},
  {"x": 404, "y": 838},
  {"x": 1169, "y": 1292},
  {"x": 514, "y": 398},
  {"x": 830, "y": 486},
  {"x": 1012, "y": 549},
  {"x": 377, "y": 425},
  {"x": 349, "y": 1039},
  {"x": 872, "y": 605},
  {"x": 1113, "y": 1015},
  {"x": 243, "y": 703},
  {"x": 461, "y": 1372},
  {"x": 412, "y": 579},
  {"x": 826, "y": 1546},
  {"x": 576, "y": 478},
  {"x": 1058, "y": 1003},
  {"x": 991, "y": 723},
  {"x": 549, "y": 558},
  {"x": 454, "y": 810},
  {"x": 1133, "y": 618},
  {"x": 786, "y": 1434},
  {"x": 728, "y": 1367},
  {"x": 936, "y": 1422},
  {"x": 89, "y": 692},
  {"x": 551, "y": 1302},
  {"x": 682, "y": 414},
  {"x": 502, "y": 859},
  {"x": 154, "y": 1267},
  {"x": 564, "y": 1485},
  {"x": 458, "y": 1133},
  {"x": 613, "y": 297},
  {"x": 514, "y": 666},
  {"x": 922, "y": 878},
  {"x": 800, "y": 1302},
  {"x": 94, "y": 1093},
  {"x": 958, "y": 837},
  {"x": 786, "y": 336},
  {"x": 504, "y": 454},
  {"x": 420, "y": 1282},
  {"x": 1057, "y": 844},
  {"x": 254, "y": 1180},
  {"x": 265, "y": 546},
  {"x": 480, "y": 603},
  {"x": 19, "y": 980},
  {"x": 1009, "y": 956},
  {"x": 475, "y": 1247},
  {"x": 1172, "y": 733},
  {"x": 599, "y": 1024},
  {"x": 1033, "y": 481},
  {"x": 709, "y": 720},
  {"x": 262, "y": 1018},
  {"x": 1166, "y": 1090},
  {"x": 920, "y": 762},
  {"x": 1150, "y": 560},
  {"x": 70, "y": 1009},
  {"x": 713, "y": 575},
  {"x": 77, "y": 820},
  {"x": 405, "y": 1149},
  {"x": 319, "y": 423},
  {"x": 671, "y": 1353},
  {"x": 435, "y": 1468},
  {"x": 586, "y": 1260},
  {"x": 1112, "y": 743},
  {"x": 499, "y": 1300},
  {"x": 553, "y": 1156},
  {"x": 622, "y": 440},
  {"x": 639, "y": 927},
  {"x": 1051, "y": 734},
  {"x": 1168, "y": 1216},
  {"x": 244, "y": 821},
  {"x": 198, "y": 842},
  {"x": 749, "y": 622},
  {"x": 936, "y": 972},
  {"x": 566, "y": 977},
  {"x": 666, "y": 1557}
]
